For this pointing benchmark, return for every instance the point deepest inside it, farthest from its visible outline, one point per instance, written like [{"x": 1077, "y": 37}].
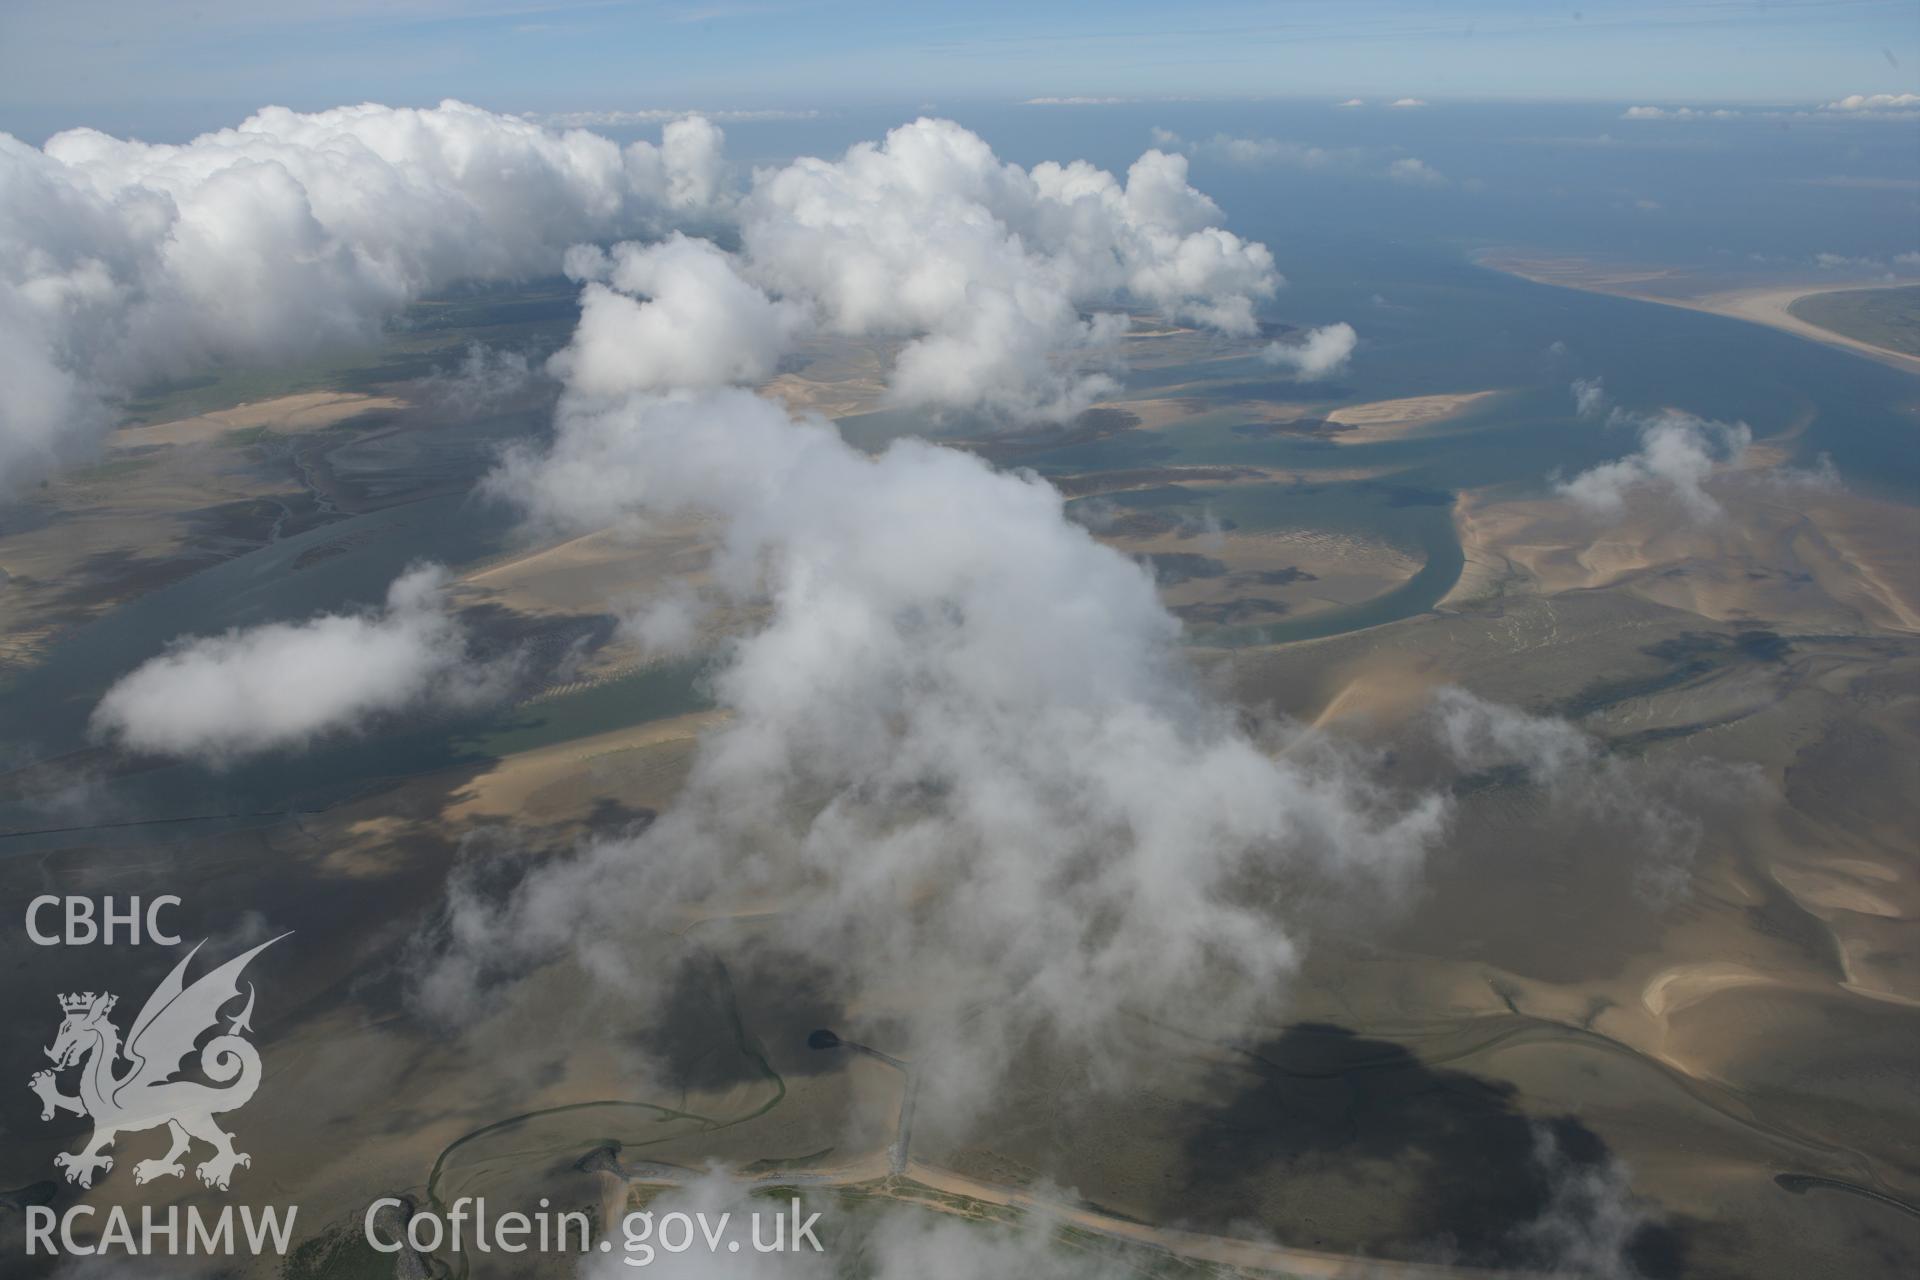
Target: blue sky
[{"x": 157, "y": 68}]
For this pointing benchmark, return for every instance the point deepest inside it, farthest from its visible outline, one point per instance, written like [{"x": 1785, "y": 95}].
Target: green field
[{"x": 1887, "y": 318}]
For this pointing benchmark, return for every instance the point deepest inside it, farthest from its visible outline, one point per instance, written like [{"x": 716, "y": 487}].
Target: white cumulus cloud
[
  {"x": 280, "y": 686},
  {"x": 1679, "y": 113},
  {"x": 964, "y": 748},
  {"x": 1876, "y": 102},
  {"x": 615, "y": 119},
  {"x": 990, "y": 270},
  {"x": 963, "y": 742},
  {"x": 1322, "y": 353},
  {"x": 1416, "y": 173},
  {"x": 122, "y": 261},
  {"x": 700, "y": 324},
  {"x": 1679, "y": 452}
]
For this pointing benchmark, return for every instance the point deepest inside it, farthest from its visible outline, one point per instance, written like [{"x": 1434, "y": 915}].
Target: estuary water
[{"x": 1430, "y": 322}]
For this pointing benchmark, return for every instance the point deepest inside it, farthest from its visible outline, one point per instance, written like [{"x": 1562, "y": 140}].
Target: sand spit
[
  {"x": 1363, "y": 423},
  {"x": 1766, "y": 306},
  {"x": 308, "y": 411},
  {"x": 587, "y": 574},
  {"x": 539, "y": 785},
  {"x": 1390, "y": 419},
  {"x": 1770, "y": 307},
  {"x": 1674, "y": 989}
]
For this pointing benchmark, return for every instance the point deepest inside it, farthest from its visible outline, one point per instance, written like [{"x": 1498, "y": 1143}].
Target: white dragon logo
[{"x": 146, "y": 1096}]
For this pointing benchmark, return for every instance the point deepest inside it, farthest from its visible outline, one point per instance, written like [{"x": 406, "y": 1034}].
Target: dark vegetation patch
[
  {"x": 332, "y": 549},
  {"x": 1298, "y": 428},
  {"x": 1226, "y": 612},
  {"x": 1172, "y": 567},
  {"x": 105, "y": 577},
  {"x": 1281, "y": 577},
  {"x": 1688, "y": 658},
  {"x": 1696, "y": 647},
  {"x": 1143, "y": 513},
  {"x": 1153, "y": 524},
  {"x": 1081, "y": 486},
  {"x": 546, "y": 649},
  {"x": 252, "y": 521},
  {"x": 1094, "y": 424}
]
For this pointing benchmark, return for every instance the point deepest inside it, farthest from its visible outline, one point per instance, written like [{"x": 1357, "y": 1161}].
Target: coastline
[{"x": 1765, "y": 305}]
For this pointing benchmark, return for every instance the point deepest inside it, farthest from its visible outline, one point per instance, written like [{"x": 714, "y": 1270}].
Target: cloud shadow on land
[
  {"x": 737, "y": 1020},
  {"x": 1487, "y": 1184}
]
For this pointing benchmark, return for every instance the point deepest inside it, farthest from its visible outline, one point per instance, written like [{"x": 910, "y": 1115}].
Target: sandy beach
[
  {"x": 1391, "y": 419},
  {"x": 1770, "y": 307},
  {"x": 1766, "y": 305}
]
